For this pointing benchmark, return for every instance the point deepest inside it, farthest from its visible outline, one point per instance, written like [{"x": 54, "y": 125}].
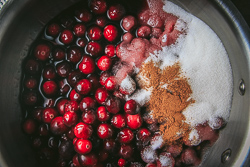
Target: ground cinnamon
[{"x": 170, "y": 95}]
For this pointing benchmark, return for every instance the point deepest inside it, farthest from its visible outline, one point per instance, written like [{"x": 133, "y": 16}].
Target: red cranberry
[
  {"x": 101, "y": 21},
  {"x": 48, "y": 114},
  {"x": 83, "y": 87},
  {"x": 129, "y": 22},
  {"x": 127, "y": 37},
  {"x": 125, "y": 135},
  {"x": 126, "y": 151},
  {"x": 127, "y": 86},
  {"x": 104, "y": 76},
  {"x": 94, "y": 48},
  {"x": 79, "y": 30},
  {"x": 66, "y": 37},
  {"x": 110, "y": 83},
  {"x": 87, "y": 103},
  {"x": 63, "y": 87},
  {"x": 165, "y": 159},
  {"x": 32, "y": 67},
  {"x": 83, "y": 130},
  {"x": 58, "y": 54},
  {"x": 95, "y": 33},
  {"x": 98, "y": 6},
  {"x": 57, "y": 126},
  {"x": 121, "y": 162},
  {"x": 103, "y": 155},
  {"x": 75, "y": 161},
  {"x": 83, "y": 15},
  {"x": 113, "y": 105},
  {"x": 42, "y": 52},
  {"x": 110, "y": 32},
  {"x": 134, "y": 121},
  {"x": 81, "y": 42},
  {"x": 143, "y": 135},
  {"x": 49, "y": 88},
  {"x": 101, "y": 95},
  {"x": 60, "y": 105},
  {"x": 53, "y": 29},
  {"x": 144, "y": 32},
  {"x": 63, "y": 69},
  {"x": 104, "y": 63},
  {"x": 74, "y": 54},
  {"x": 74, "y": 77},
  {"x": 30, "y": 98},
  {"x": 70, "y": 133},
  {"x": 49, "y": 72},
  {"x": 131, "y": 107},
  {"x": 83, "y": 146},
  {"x": 104, "y": 131},
  {"x": 94, "y": 79},
  {"x": 74, "y": 96},
  {"x": 156, "y": 141},
  {"x": 37, "y": 113},
  {"x": 116, "y": 12},
  {"x": 31, "y": 83},
  {"x": 118, "y": 121},
  {"x": 66, "y": 150},
  {"x": 102, "y": 114},
  {"x": 155, "y": 21},
  {"x": 110, "y": 50},
  {"x": 148, "y": 154},
  {"x": 89, "y": 116},
  {"x": 29, "y": 126},
  {"x": 87, "y": 65},
  {"x": 118, "y": 94},
  {"x": 43, "y": 130},
  {"x": 109, "y": 145},
  {"x": 88, "y": 159},
  {"x": 70, "y": 118},
  {"x": 71, "y": 106},
  {"x": 151, "y": 165}
]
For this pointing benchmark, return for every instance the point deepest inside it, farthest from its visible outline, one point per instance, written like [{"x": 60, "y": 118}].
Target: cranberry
[
  {"x": 42, "y": 52},
  {"x": 104, "y": 131},
  {"x": 156, "y": 32},
  {"x": 43, "y": 130},
  {"x": 131, "y": 107},
  {"x": 29, "y": 126},
  {"x": 118, "y": 121},
  {"x": 58, "y": 53},
  {"x": 83, "y": 130},
  {"x": 109, "y": 145},
  {"x": 79, "y": 30},
  {"x": 81, "y": 42},
  {"x": 46, "y": 154},
  {"x": 31, "y": 83},
  {"x": 95, "y": 33},
  {"x": 74, "y": 54},
  {"x": 70, "y": 133},
  {"x": 70, "y": 118},
  {"x": 113, "y": 105},
  {"x": 66, "y": 37},
  {"x": 32, "y": 67},
  {"x": 134, "y": 121},
  {"x": 148, "y": 154},
  {"x": 87, "y": 103},
  {"x": 37, "y": 113},
  {"x": 83, "y": 15},
  {"x": 116, "y": 12},
  {"x": 143, "y": 135},
  {"x": 166, "y": 160},
  {"x": 83, "y": 87},
  {"x": 127, "y": 37},
  {"x": 63, "y": 69},
  {"x": 49, "y": 72},
  {"x": 102, "y": 114},
  {"x": 156, "y": 141},
  {"x": 110, "y": 50},
  {"x": 94, "y": 79},
  {"x": 101, "y": 21},
  {"x": 49, "y": 88},
  {"x": 144, "y": 32},
  {"x": 110, "y": 83},
  {"x": 60, "y": 105},
  {"x": 53, "y": 29},
  {"x": 127, "y": 86},
  {"x": 48, "y": 114},
  {"x": 67, "y": 21},
  {"x": 57, "y": 127},
  {"x": 101, "y": 95},
  {"x": 110, "y": 32},
  {"x": 125, "y": 135},
  {"x": 104, "y": 63},
  {"x": 126, "y": 151},
  {"x": 153, "y": 127},
  {"x": 30, "y": 98},
  {"x": 98, "y": 6},
  {"x": 66, "y": 150},
  {"x": 63, "y": 87},
  {"x": 74, "y": 96},
  {"x": 155, "y": 21},
  {"x": 88, "y": 159},
  {"x": 129, "y": 22},
  {"x": 89, "y": 116},
  {"x": 121, "y": 162},
  {"x": 37, "y": 142},
  {"x": 87, "y": 65},
  {"x": 76, "y": 162},
  {"x": 118, "y": 94},
  {"x": 83, "y": 146},
  {"x": 94, "y": 48},
  {"x": 74, "y": 77},
  {"x": 104, "y": 76},
  {"x": 151, "y": 165},
  {"x": 149, "y": 118},
  {"x": 103, "y": 155},
  {"x": 71, "y": 106}
]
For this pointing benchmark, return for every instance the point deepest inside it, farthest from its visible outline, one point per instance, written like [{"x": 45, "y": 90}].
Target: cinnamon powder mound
[{"x": 170, "y": 95}]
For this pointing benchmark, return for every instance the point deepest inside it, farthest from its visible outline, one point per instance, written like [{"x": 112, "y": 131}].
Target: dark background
[{"x": 244, "y": 8}]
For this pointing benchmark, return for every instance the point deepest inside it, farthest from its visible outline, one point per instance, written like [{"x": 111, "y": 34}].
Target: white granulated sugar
[
  {"x": 194, "y": 137},
  {"x": 128, "y": 84},
  {"x": 166, "y": 160},
  {"x": 157, "y": 142},
  {"x": 164, "y": 38},
  {"x": 141, "y": 96},
  {"x": 148, "y": 154}
]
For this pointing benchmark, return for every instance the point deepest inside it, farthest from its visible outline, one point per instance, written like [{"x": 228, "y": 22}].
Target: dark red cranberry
[
  {"x": 75, "y": 161},
  {"x": 118, "y": 94},
  {"x": 149, "y": 118},
  {"x": 74, "y": 77},
  {"x": 148, "y": 154},
  {"x": 104, "y": 63},
  {"x": 66, "y": 150},
  {"x": 116, "y": 12},
  {"x": 131, "y": 107},
  {"x": 70, "y": 118},
  {"x": 134, "y": 121},
  {"x": 121, "y": 162},
  {"x": 29, "y": 126},
  {"x": 125, "y": 135},
  {"x": 37, "y": 142},
  {"x": 43, "y": 130},
  {"x": 94, "y": 79},
  {"x": 143, "y": 135},
  {"x": 110, "y": 50},
  {"x": 63, "y": 87},
  {"x": 53, "y": 29},
  {"x": 118, "y": 121},
  {"x": 104, "y": 76},
  {"x": 113, "y": 105},
  {"x": 66, "y": 37},
  {"x": 101, "y": 95},
  {"x": 81, "y": 42},
  {"x": 110, "y": 83},
  {"x": 71, "y": 106},
  {"x": 70, "y": 133},
  {"x": 48, "y": 114},
  {"x": 32, "y": 67},
  {"x": 37, "y": 113},
  {"x": 101, "y": 21},
  {"x": 83, "y": 146},
  {"x": 49, "y": 102},
  {"x": 110, "y": 145},
  {"x": 129, "y": 23},
  {"x": 46, "y": 154},
  {"x": 151, "y": 165},
  {"x": 58, "y": 54},
  {"x": 103, "y": 155},
  {"x": 31, "y": 83},
  {"x": 102, "y": 114},
  {"x": 95, "y": 33},
  {"x": 144, "y": 32},
  {"x": 104, "y": 131},
  {"x": 49, "y": 88},
  {"x": 30, "y": 98},
  {"x": 83, "y": 15},
  {"x": 79, "y": 30},
  {"x": 88, "y": 159},
  {"x": 60, "y": 104},
  {"x": 74, "y": 54},
  {"x": 94, "y": 48},
  {"x": 67, "y": 21},
  {"x": 98, "y": 6},
  {"x": 153, "y": 127},
  {"x": 165, "y": 159},
  {"x": 83, "y": 130},
  {"x": 89, "y": 116},
  {"x": 127, "y": 37},
  {"x": 110, "y": 32},
  {"x": 42, "y": 52},
  {"x": 126, "y": 151},
  {"x": 83, "y": 87},
  {"x": 87, "y": 65},
  {"x": 63, "y": 69},
  {"x": 87, "y": 103},
  {"x": 74, "y": 96},
  {"x": 49, "y": 72},
  {"x": 57, "y": 127}
]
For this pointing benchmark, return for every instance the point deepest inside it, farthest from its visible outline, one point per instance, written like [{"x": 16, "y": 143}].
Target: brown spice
[{"x": 170, "y": 96}]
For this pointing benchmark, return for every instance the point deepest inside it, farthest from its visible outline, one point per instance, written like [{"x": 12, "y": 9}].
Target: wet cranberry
[
  {"x": 42, "y": 52},
  {"x": 110, "y": 145},
  {"x": 74, "y": 77},
  {"x": 143, "y": 135},
  {"x": 57, "y": 127},
  {"x": 110, "y": 83},
  {"x": 126, "y": 151},
  {"x": 81, "y": 42},
  {"x": 94, "y": 48},
  {"x": 102, "y": 114},
  {"x": 87, "y": 103},
  {"x": 98, "y": 6},
  {"x": 104, "y": 76},
  {"x": 53, "y": 142},
  {"x": 63, "y": 69},
  {"x": 37, "y": 113},
  {"x": 118, "y": 121},
  {"x": 110, "y": 32},
  {"x": 67, "y": 21},
  {"x": 155, "y": 21},
  {"x": 79, "y": 30},
  {"x": 31, "y": 83},
  {"x": 70, "y": 133},
  {"x": 125, "y": 135},
  {"x": 148, "y": 118},
  {"x": 101, "y": 95},
  {"x": 88, "y": 159},
  {"x": 29, "y": 126},
  {"x": 131, "y": 107},
  {"x": 151, "y": 165},
  {"x": 144, "y": 32},
  {"x": 76, "y": 162},
  {"x": 30, "y": 98},
  {"x": 116, "y": 12},
  {"x": 94, "y": 79},
  {"x": 71, "y": 106},
  {"x": 134, "y": 121},
  {"x": 104, "y": 131},
  {"x": 83, "y": 15},
  {"x": 48, "y": 114},
  {"x": 103, "y": 155},
  {"x": 66, "y": 37},
  {"x": 37, "y": 142},
  {"x": 89, "y": 116},
  {"x": 70, "y": 118},
  {"x": 83, "y": 87},
  {"x": 49, "y": 72},
  {"x": 66, "y": 150},
  {"x": 49, "y": 88},
  {"x": 104, "y": 63},
  {"x": 63, "y": 87},
  {"x": 129, "y": 22},
  {"x": 32, "y": 67},
  {"x": 121, "y": 162},
  {"x": 153, "y": 127},
  {"x": 87, "y": 65},
  {"x": 58, "y": 54},
  {"x": 95, "y": 33},
  {"x": 74, "y": 96},
  {"x": 43, "y": 130},
  {"x": 83, "y": 146},
  {"x": 101, "y": 21},
  {"x": 53, "y": 29},
  {"x": 74, "y": 54},
  {"x": 113, "y": 105},
  {"x": 83, "y": 130},
  {"x": 110, "y": 50}
]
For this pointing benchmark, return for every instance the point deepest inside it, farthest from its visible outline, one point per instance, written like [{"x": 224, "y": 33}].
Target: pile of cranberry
[{"x": 75, "y": 112}]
